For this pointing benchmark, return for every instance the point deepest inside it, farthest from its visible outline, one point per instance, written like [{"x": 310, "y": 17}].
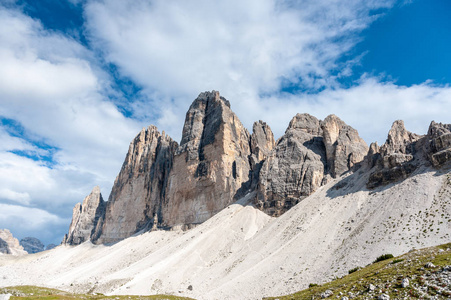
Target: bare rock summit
[
  {"x": 32, "y": 245},
  {"x": 9, "y": 244},
  {"x": 305, "y": 157},
  {"x": 85, "y": 218},
  {"x": 210, "y": 165}
]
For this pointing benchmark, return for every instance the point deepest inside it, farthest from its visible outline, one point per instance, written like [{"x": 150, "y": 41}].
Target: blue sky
[{"x": 80, "y": 78}]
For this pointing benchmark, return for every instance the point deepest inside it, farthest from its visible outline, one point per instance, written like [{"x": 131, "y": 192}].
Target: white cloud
[
  {"x": 370, "y": 107},
  {"x": 52, "y": 87},
  {"x": 32, "y": 222},
  {"x": 241, "y": 48}
]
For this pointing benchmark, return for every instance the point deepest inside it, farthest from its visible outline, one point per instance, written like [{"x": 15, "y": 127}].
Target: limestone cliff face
[
  {"x": 210, "y": 165},
  {"x": 344, "y": 147},
  {"x": 438, "y": 145},
  {"x": 85, "y": 218},
  {"x": 294, "y": 169},
  {"x": 404, "y": 151},
  {"x": 9, "y": 244},
  {"x": 139, "y": 189},
  {"x": 310, "y": 152},
  {"x": 165, "y": 185}
]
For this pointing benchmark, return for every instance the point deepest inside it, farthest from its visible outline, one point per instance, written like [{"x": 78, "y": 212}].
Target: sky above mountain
[{"x": 80, "y": 78}]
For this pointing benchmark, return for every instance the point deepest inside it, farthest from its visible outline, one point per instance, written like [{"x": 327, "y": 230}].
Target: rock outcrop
[
  {"x": 9, "y": 244},
  {"x": 404, "y": 151},
  {"x": 210, "y": 165},
  {"x": 438, "y": 145},
  {"x": 310, "y": 152},
  {"x": 32, "y": 245},
  {"x": 85, "y": 218},
  {"x": 395, "y": 158},
  {"x": 344, "y": 147},
  {"x": 135, "y": 202},
  {"x": 295, "y": 168}
]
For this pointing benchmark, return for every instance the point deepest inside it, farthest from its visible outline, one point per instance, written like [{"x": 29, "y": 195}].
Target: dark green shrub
[
  {"x": 383, "y": 257},
  {"x": 312, "y": 285},
  {"x": 353, "y": 270}
]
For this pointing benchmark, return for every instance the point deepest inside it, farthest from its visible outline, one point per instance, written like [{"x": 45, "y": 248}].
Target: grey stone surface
[
  {"x": 32, "y": 245},
  {"x": 85, "y": 218}
]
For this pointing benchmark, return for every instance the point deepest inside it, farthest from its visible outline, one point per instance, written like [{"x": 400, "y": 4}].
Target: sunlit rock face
[{"x": 210, "y": 165}]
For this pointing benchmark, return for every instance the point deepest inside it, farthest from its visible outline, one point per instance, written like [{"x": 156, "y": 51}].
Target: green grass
[
  {"x": 34, "y": 292},
  {"x": 387, "y": 276}
]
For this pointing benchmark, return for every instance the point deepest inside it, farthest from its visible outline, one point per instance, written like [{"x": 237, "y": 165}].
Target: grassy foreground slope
[
  {"x": 34, "y": 292},
  {"x": 428, "y": 274}
]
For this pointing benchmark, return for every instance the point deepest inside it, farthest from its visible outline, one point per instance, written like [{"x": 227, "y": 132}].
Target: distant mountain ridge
[{"x": 165, "y": 185}]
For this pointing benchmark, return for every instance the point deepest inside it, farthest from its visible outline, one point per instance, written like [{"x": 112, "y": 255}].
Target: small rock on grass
[
  {"x": 384, "y": 297},
  {"x": 405, "y": 283}
]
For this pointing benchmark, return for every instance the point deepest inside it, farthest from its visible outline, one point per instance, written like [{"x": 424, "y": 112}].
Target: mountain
[
  {"x": 232, "y": 215},
  {"x": 164, "y": 185},
  {"x": 9, "y": 244},
  {"x": 32, "y": 245}
]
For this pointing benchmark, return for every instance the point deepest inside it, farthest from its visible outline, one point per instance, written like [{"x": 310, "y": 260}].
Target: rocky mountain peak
[
  {"x": 163, "y": 185},
  {"x": 438, "y": 145},
  {"x": 399, "y": 140},
  {"x": 210, "y": 165},
  {"x": 344, "y": 147},
  {"x": 85, "y": 218},
  {"x": 32, "y": 245},
  {"x": 9, "y": 244},
  {"x": 305, "y": 123},
  {"x": 262, "y": 140}
]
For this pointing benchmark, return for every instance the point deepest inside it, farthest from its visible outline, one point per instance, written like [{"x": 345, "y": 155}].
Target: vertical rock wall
[
  {"x": 210, "y": 165},
  {"x": 85, "y": 217}
]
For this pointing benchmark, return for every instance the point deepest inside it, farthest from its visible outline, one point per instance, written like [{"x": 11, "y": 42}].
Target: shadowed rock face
[
  {"x": 210, "y": 165},
  {"x": 135, "y": 202},
  {"x": 32, "y": 245},
  {"x": 295, "y": 168},
  {"x": 85, "y": 218}
]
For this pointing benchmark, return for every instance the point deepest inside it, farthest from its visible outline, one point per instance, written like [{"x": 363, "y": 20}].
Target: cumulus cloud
[
  {"x": 370, "y": 107},
  {"x": 244, "y": 49},
  {"x": 52, "y": 88}
]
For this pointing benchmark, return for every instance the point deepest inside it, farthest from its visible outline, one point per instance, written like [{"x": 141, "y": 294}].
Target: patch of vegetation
[
  {"x": 353, "y": 270},
  {"x": 34, "y": 292},
  {"x": 387, "y": 276},
  {"x": 312, "y": 285},
  {"x": 397, "y": 261},
  {"x": 383, "y": 257}
]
